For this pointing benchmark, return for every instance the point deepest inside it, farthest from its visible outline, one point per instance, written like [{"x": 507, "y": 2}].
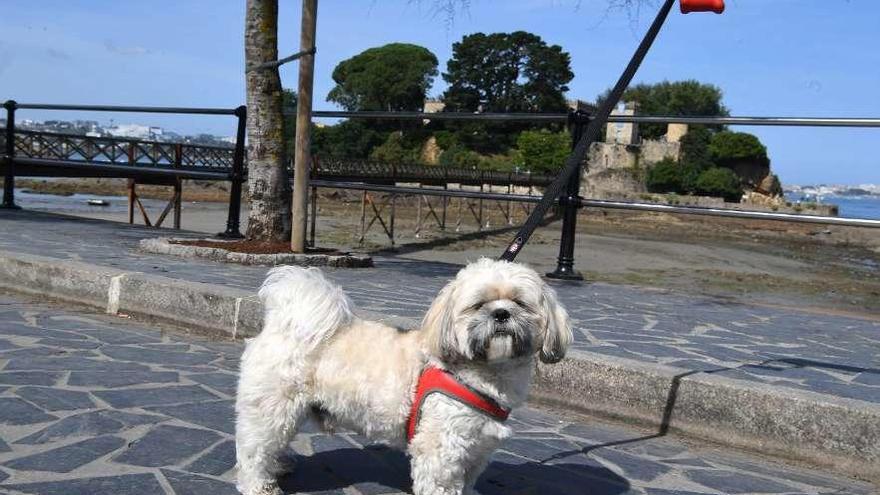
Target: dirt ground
[
  {"x": 815, "y": 267},
  {"x": 193, "y": 190},
  {"x": 764, "y": 262}
]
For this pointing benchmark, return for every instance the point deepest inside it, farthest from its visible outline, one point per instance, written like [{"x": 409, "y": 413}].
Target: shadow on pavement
[
  {"x": 787, "y": 363},
  {"x": 381, "y": 470}
]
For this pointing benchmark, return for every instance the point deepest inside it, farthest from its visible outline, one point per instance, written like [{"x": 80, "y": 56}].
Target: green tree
[
  {"x": 507, "y": 72},
  {"x": 679, "y": 98},
  {"x": 347, "y": 139},
  {"x": 720, "y": 182},
  {"x": 695, "y": 157},
  {"x": 665, "y": 177},
  {"x": 727, "y": 149},
  {"x": 695, "y": 148},
  {"x": 393, "y": 77},
  {"x": 742, "y": 153},
  {"x": 543, "y": 151}
]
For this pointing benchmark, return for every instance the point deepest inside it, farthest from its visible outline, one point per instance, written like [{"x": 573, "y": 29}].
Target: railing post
[
  {"x": 313, "y": 199},
  {"x": 9, "y": 157},
  {"x": 569, "y": 201},
  {"x": 178, "y": 185},
  {"x": 233, "y": 220},
  {"x": 445, "y": 199},
  {"x": 482, "y": 185}
]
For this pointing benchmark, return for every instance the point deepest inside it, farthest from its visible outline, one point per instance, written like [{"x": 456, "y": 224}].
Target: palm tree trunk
[{"x": 268, "y": 177}]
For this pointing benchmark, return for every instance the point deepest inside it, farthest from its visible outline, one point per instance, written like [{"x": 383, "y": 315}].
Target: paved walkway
[
  {"x": 98, "y": 405},
  {"x": 829, "y": 354}
]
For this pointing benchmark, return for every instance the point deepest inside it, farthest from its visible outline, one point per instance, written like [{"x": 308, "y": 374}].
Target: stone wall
[{"x": 614, "y": 168}]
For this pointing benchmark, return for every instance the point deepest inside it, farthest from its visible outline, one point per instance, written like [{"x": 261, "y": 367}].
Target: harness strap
[{"x": 436, "y": 380}]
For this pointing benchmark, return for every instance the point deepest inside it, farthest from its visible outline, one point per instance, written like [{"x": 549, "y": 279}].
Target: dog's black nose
[{"x": 501, "y": 315}]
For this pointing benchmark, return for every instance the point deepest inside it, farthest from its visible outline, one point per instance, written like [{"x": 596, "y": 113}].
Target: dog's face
[{"x": 496, "y": 311}]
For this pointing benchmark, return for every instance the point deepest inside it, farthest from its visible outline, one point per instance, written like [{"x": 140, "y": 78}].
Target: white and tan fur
[{"x": 315, "y": 357}]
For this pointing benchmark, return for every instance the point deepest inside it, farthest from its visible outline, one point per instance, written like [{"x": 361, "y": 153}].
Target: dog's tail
[{"x": 302, "y": 304}]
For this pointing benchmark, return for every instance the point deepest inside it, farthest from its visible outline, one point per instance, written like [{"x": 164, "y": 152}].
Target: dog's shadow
[{"x": 378, "y": 469}]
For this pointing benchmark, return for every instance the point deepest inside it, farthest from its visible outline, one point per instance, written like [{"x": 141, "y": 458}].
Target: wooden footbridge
[{"x": 50, "y": 154}]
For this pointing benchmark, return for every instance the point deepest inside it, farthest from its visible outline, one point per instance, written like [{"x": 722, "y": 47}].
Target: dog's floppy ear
[
  {"x": 557, "y": 328},
  {"x": 438, "y": 323}
]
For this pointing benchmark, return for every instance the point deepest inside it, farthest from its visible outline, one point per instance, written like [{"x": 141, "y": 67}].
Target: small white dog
[{"x": 315, "y": 357}]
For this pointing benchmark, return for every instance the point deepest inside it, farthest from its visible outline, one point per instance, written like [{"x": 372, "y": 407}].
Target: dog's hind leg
[{"x": 265, "y": 424}]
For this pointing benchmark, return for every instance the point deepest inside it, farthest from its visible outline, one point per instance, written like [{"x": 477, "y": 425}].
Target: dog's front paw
[{"x": 285, "y": 464}]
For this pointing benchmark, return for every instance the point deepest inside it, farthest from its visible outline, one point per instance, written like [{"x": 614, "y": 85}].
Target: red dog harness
[{"x": 435, "y": 380}]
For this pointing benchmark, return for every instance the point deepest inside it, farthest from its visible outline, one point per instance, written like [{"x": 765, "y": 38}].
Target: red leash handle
[{"x": 688, "y": 6}]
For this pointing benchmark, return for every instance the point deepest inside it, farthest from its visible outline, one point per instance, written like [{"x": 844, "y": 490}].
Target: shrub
[
  {"x": 399, "y": 148},
  {"x": 459, "y": 157},
  {"x": 501, "y": 162},
  {"x": 720, "y": 182},
  {"x": 445, "y": 139},
  {"x": 665, "y": 177},
  {"x": 543, "y": 151}
]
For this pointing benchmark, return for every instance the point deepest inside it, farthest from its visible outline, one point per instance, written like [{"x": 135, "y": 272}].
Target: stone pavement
[
  {"x": 835, "y": 355},
  {"x": 104, "y": 405}
]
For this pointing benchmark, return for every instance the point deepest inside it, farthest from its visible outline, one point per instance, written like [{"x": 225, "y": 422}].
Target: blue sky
[{"x": 770, "y": 57}]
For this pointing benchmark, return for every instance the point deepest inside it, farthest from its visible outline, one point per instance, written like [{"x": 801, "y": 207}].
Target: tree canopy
[
  {"x": 393, "y": 77},
  {"x": 347, "y": 139},
  {"x": 679, "y": 98},
  {"x": 728, "y": 148},
  {"x": 543, "y": 151},
  {"x": 507, "y": 72}
]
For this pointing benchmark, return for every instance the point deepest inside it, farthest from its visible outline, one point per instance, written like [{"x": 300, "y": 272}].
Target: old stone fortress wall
[{"x": 616, "y": 169}]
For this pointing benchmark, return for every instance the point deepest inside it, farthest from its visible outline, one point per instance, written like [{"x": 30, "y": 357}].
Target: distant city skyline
[{"x": 780, "y": 58}]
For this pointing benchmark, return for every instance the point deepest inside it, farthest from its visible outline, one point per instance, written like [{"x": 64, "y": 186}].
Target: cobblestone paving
[
  {"x": 93, "y": 405},
  {"x": 828, "y": 354}
]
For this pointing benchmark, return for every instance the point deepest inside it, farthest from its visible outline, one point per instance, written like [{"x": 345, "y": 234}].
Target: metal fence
[
  {"x": 59, "y": 154},
  {"x": 86, "y": 156}
]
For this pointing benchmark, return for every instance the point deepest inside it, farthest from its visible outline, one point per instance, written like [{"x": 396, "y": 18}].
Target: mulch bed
[{"x": 255, "y": 247}]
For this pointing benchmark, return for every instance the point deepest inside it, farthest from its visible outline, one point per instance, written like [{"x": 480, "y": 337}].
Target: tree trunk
[{"x": 268, "y": 177}]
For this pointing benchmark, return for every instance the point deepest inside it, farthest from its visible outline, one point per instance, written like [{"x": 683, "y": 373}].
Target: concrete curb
[
  {"x": 166, "y": 245},
  {"x": 216, "y": 308},
  {"x": 840, "y": 433}
]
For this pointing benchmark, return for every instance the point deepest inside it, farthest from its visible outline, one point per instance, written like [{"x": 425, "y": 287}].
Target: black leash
[{"x": 589, "y": 136}]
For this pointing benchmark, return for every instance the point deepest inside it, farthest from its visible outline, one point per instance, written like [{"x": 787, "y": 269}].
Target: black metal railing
[
  {"x": 122, "y": 151},
  {"x": 116, "y": 155}
]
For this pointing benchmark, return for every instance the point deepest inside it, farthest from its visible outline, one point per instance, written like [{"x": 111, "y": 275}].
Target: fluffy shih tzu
[{"x": 440, "y": 392}]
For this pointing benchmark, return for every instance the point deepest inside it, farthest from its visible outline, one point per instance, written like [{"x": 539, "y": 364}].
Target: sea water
[{"x": 867, "y": 206}]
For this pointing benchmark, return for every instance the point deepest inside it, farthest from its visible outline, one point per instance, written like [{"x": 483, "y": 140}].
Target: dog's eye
[
  {"x": 524, "y": 305},
  {"x": 476, "y": 307}
]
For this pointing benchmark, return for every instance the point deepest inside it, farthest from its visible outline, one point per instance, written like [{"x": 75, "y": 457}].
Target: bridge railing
[
  {"x": 359, "y": 170},
  {"x": 135, "y": 152},
  {"x": 59, "y": 154},
  {"x": 122, "y": 151}
]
